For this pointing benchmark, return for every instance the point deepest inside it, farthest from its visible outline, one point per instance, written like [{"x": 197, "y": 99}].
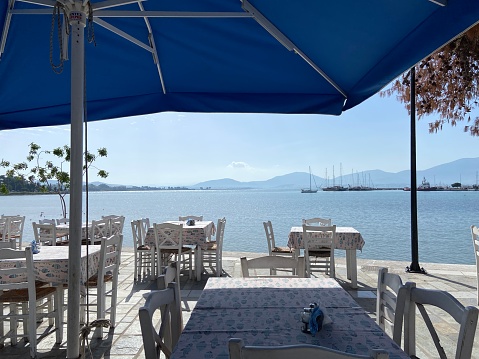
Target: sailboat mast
[{"x": 310, "y": 177}]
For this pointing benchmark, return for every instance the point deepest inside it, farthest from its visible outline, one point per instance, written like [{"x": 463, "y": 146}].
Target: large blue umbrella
[{"x": 270, "y": 56}]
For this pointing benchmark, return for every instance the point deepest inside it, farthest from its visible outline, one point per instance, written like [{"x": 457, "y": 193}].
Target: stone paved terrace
[{"x": 125, "y": 341}]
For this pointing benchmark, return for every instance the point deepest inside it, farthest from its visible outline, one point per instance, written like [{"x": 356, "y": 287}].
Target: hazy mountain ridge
[{"x": 464, "y": 170}]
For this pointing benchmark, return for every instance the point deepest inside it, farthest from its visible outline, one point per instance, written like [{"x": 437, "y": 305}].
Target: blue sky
[{"x": 187, "y": 148}]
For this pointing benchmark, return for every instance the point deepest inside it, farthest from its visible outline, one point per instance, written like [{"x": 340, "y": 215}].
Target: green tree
[
  {"x": 456, "y": 185},
  {"x": 39, "y": 172},
  {"x": 447, "y": 84}
]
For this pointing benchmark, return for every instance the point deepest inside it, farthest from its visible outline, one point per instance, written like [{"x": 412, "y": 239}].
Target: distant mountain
[{"x": 464, "y": 171}]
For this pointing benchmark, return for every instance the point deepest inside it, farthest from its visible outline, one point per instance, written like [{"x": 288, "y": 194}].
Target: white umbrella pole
[{"x": 77, "y": 22}]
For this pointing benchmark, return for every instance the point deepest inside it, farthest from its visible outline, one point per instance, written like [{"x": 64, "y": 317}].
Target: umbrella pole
[
  {"x": 414, "y": 267},
  {"x": 77, "y": 21}
]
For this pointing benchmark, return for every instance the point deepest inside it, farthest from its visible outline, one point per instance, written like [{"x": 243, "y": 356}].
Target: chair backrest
[
  {"x": 4, "y": 228},
  {"x": 137, "y": 233},
  {"x": 475, "y": 243},
  {"x": 268, "y": 228},
  {"x": 139, "y": 229},
  {"x": 110, "y": 216},
  {"x": 319, "y": 239},
  {"x": 116, "y": 225},
  {"x": 99, "y": 229},
  {"x": 45, "y": 234},
  {"x": 47, "y": 221},
  {"x": 110, "y": 257},
  {"x": 168, "y": 235},
  {"x": 220, "y": 233},
  {"x": 238, "y": 350},
  {"x": 145, "y": 225},
  {"x": 391, "y": 300},
  {"x": 165, "y": 339},
  {"x": 63, "y": 220},
  {"x": 21, "y": 276},
  {"x": 466, "y": 317},
  {"x": 185, "y": 218},
  {"x": 271, "y": 263},
  {"x": 318, "y": 221},
  {"x": 16, "y": 229}
]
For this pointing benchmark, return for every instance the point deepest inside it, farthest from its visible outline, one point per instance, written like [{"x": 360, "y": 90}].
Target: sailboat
[{"x": 310, "y": 189}]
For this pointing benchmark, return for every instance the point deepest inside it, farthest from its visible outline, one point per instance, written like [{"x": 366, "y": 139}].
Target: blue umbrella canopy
[
  {"x": 302, "y": 56},
  {"x": 263, "y": 56}
]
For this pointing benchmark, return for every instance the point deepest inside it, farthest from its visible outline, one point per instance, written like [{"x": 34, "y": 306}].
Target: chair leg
[
  {"x": 190, "y": 275},
  {"x": 113, "y": 303},
  {"x": 59, "y": 314},
  {"x": 219, "y": 265},
  {"x": 136, "y": 275}
]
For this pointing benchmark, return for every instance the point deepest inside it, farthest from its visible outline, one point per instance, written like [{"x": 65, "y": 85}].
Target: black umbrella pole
[{"x": 414, "y": 267}]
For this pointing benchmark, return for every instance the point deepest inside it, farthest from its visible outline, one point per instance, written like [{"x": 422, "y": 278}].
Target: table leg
[{"x": 351, "y": 267}]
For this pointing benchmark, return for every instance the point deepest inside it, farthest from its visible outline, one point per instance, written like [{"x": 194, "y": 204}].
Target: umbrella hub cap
[
  {"x": 77, "y": 12},
  {"x": 77, "y": 17}
]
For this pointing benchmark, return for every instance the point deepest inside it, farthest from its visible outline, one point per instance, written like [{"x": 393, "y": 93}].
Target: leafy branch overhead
[
  {"x": 38, "y": 170},
  {"x": 446, "y": 84}
]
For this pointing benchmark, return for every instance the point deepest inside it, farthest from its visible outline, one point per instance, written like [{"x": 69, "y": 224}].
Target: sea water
[{"x": 382, "y": 217}]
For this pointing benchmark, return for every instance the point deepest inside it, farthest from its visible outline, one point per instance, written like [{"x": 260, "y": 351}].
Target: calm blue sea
[{"x": 383, "y": 217}]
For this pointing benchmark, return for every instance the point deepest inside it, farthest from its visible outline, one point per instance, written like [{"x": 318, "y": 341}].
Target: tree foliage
[
  {"x": 446, "y": 84},
  {"x": 40, "y": 171}
]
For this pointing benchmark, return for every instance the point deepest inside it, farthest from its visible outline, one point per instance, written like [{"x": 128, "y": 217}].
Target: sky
[{"x": 181, "y": 149}]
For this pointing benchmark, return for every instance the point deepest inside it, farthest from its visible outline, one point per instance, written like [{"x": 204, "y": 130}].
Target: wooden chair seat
[
  {"x": 281, "y": 250},
  {"x": 175, "y": 250},
  {"x": 21, "y": 295},
  {"x": 144, "y": 247},
  {"x": 211, "y": 245},
  {"x": 93, "y": 281},
  {"x": 321, "y": 254}
]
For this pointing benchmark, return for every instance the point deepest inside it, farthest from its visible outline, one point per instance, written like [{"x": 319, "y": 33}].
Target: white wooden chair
[
  {"x": 108, "y": 268},
  {"x": 295, "y": 265},
  {"x": 318, "y": 221},
  {"x": 185, "y": 218},
  {"x": 15, "y": 230},
  {"x": 213, "y": 253},
  {"x": 168, "y": 243},
  {"x": 319, "y": 249},
  {"x": 475, "y": 243},
  {"x": 26, "y": 301},
  {"x": 144, "y": 256},
  {"x": 466, "y": 317},
  {"x": 167, "y": 303},
  {"x": 5, "y": 242},
  {"x": 45, "y": 234},
  {"x": 64, "y": 233},
  {"x": 392, "y": 296},
  {"x": 273, "y": 249},
  {"x": 238, "y": 350}
]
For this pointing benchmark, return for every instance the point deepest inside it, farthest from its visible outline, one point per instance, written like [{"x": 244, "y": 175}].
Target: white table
[
  {"x": 267, "y": 311},
  {"x": 198, "y": 235},
  {"x": 347, "y": 238},
  {"x": 51, "y": 264}
]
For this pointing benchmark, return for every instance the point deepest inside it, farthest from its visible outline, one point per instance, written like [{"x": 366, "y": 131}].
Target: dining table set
[
  {"x": 268, "y": 312},
  {"x": 196, "y": 234},
  {"x": 348, "y": 239}
]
